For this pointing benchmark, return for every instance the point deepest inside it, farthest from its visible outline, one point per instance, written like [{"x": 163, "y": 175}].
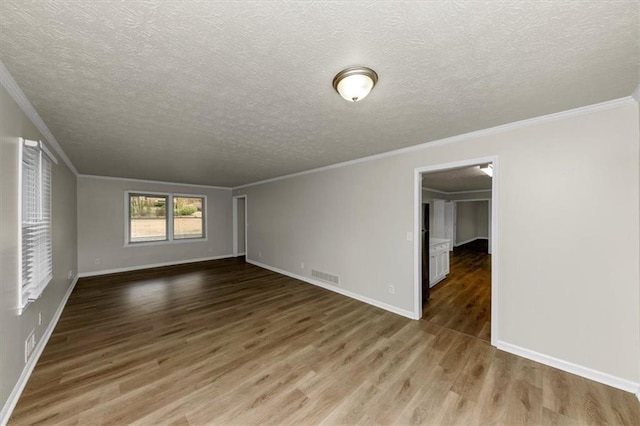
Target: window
[
  {"x": 150, "y": 221},
  {"x": 35, "y": 212},
  {"x": 188, "y": 220},
  {"x": 147, "y": 218}
]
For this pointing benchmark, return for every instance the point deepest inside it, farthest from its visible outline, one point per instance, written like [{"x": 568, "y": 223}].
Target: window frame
[
  {"x": 43, "y": 208},
  {"x": 203, "y": 218},
  {"x": 127, "y": 206},
  {"x": 169, "y": 217}
]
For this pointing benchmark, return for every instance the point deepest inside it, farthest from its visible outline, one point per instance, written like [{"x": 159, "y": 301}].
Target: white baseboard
[
  {"x": 14, "y": 396},
  {"x": 338, "y": 290},
  {"x": 469, "y": 241},
  {"x": 152, "y": 265},
  {"x": 464, "y": 242},
  {"x": 589, "y": 373}
]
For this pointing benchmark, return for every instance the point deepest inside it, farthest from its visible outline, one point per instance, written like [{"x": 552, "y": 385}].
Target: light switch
[{"x": 409, "y": 236}]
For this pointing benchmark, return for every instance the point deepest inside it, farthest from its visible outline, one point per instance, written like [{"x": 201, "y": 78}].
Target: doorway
[
  {"x": 425, "y": 253},
  {"x": 239, "y": 225},
  {"x": 435, "y": 253}
]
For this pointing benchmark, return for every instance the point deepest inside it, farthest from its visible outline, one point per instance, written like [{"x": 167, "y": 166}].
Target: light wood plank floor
[
  {"x": 225, "y": 342},
  {"x": 462, "y": 301}
]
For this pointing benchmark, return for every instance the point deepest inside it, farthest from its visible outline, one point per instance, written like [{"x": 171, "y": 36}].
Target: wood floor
[
  {"x": 462, "y": 301},
  {"x": 224, "y": 342}
]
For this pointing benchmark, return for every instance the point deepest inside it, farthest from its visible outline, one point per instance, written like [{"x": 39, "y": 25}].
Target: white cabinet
[
  {"x": 449, "y": 222},
  {"x": 433, "y": 269},
  {"x": 438, "y": 260},
  {"x": 437, "y": 230},
  {"x": 444, "y": 213}
]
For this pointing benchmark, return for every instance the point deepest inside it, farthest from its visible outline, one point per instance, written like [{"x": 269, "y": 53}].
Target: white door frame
[
  {"x": 235, "y": 225},
  {"x": 417, "y": 262}
]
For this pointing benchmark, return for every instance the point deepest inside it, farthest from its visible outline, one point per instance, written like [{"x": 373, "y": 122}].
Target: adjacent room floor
[
  {"x": 462, "y": 301},
  {"x": 226, "y": 342}
]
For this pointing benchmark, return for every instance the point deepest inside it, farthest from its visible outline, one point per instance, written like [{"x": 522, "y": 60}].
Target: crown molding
[
  {"x": 469, "y": 192},
  {"x": 158, "y": 182},
  {"x": 472, "y": 191},
  {"x": 20, "y": 98},
  {"x": 10, "y": 85},
  {"x": 435, "y": 190},
  {"x": 603, "y": 106},
  {"x": 469, "y": 200}
]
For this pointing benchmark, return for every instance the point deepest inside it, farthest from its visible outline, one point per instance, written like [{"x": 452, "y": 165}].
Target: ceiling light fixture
[
  {"x": 355, "y": 83},
  {"x": 487, "y": 168}
]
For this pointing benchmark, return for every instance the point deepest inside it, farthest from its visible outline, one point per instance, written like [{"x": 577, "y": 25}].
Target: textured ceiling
[
  {"x": 455, "y": 180},
  {"x": 226, "y": 93}
]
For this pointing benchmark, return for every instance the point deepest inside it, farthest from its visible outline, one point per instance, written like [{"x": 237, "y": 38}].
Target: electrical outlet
[
  {"x": 97, "y": 261},
  {"x": 301, "y": 265},
  {"x": 39, "y": 318},
  {"x": 259, "y": 254},
  {"x": 392, "y": 289},
  {"x": 29, "y": 345},
  {"x": 70, "y": 273}
]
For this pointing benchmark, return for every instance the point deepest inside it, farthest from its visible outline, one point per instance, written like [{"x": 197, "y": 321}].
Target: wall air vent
[{"x": 334, "y": 279}]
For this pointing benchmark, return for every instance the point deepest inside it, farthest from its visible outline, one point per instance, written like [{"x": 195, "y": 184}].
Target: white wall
[
  {"x": 454, "y": 196},
  {"x": 466, "y": 222},
  {"x": 437, "y": 217},
  {"x": 101, "y": 222},
  {"x": 482, "y": 219},
  {"x": 429, "y": 196},
  {"x": 15, "y": 328},
  {"x": 481, "y": 195},
  {"x": 472, "y": 221},
  {"x": 568, "y": 278}
]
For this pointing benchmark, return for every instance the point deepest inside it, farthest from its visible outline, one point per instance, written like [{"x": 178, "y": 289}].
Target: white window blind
[{"x": 35, "y": 238}]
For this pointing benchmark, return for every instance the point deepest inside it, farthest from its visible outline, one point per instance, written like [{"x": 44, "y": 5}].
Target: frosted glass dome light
[{"x": 354, "y": 84}]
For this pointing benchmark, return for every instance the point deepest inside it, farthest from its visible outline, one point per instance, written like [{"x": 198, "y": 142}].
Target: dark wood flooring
[
  {"x": 462, "y": 301},
  {"x": 224, "y": 342}
]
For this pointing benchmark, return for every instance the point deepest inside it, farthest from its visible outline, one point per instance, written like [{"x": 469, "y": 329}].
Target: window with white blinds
[{"x": 35, "y": 235}]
